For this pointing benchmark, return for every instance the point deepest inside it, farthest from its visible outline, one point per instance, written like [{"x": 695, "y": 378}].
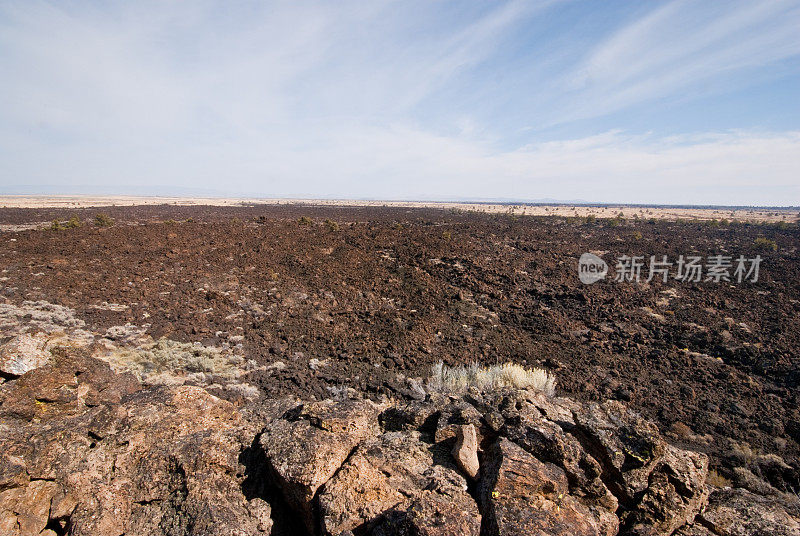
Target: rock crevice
[{"x": 85, "y": 450}]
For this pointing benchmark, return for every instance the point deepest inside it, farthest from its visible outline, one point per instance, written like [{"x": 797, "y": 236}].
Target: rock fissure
[{"x": 177, "y": 460}]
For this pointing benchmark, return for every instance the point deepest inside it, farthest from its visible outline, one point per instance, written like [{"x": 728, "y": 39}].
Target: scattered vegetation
[
  {"x": 765, "y": 244},
  {"x": 458, "y": 379},
  {"x": 168, "y": 356},
  {"x": 716, "y": 479},
  {"x": 103, "y": 220},
  {"x": 73, "y": 223},
  {"x": 305, "y": 220},
  {"x": 637, "y": 235},
  {"x": 331, "y": 225},
  {"x": 591, "y": 218},
  {"x": 447, "y": 235}
]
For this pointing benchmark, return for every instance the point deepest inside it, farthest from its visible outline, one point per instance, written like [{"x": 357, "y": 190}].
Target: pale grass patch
[
  {"x": 459, "y": 379},
  {"x": 173, "y": 357}
]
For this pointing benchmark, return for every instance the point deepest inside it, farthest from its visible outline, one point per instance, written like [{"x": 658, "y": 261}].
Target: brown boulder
[
  {"x": 465, "y": 451},
  {"x": 394, "y": 483},
  {"x": 661, "y": 487},
  {"x": 89, "y": 451},
  {"x": 628, "y": 445},
  {"x": 522, "y": 495},
  {"x": 543, "y": 426},
  {"x": 307, "y": 446},
  {"x": 738, "y": 512},
  {"x": 676, "y": 492}
]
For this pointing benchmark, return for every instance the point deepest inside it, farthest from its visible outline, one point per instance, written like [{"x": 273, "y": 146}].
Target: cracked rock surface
[{"x": 85, "y": 450}]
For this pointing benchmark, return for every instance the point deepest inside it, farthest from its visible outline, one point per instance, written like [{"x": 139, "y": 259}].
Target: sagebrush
[
  {"x": 458, "y": 379},
  {"x": 173, "y": 357}
]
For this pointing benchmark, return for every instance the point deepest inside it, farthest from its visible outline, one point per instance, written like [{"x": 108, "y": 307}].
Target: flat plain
[{"x": 325, "y": 297}]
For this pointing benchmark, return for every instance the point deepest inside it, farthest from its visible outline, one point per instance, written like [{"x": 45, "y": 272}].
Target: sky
[{"x": 662, "y": 102}]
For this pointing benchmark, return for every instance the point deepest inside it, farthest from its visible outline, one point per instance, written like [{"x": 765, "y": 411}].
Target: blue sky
[{"x": 639, "y": 102}]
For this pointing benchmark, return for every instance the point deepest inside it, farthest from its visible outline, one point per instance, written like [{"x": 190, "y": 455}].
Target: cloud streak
[
  {"x": 390, "y": 99},
  {"x": 682, "y": 45}
]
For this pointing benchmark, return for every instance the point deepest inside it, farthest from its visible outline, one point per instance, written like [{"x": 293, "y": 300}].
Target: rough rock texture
[
  {"x": 522, "y": 495},
  {"x": 738, "y": 512},
  {"x": 395, "y": 480},
  {"x": 544, "y": 465},
  {"x": 660, "y": 487},
  {"x": 86, "y": 451},
  {"x": 543, "y": 427},
  {"x": 465, "y": 450},
  {"x": 308, "y": 445},
  {"x": 22, "y": 354}
]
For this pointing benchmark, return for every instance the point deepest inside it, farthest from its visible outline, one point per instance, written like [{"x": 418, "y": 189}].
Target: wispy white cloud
[
  {"x": 381, "y": 99},
  {"x": 678, "y": 47}
]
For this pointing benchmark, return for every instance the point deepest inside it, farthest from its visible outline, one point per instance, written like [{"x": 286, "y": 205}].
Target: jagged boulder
[
  {"x": 523, "y": 495},
  {"x": 675, "y": 493},
  {"x": 544, "y": 427},
  {"x": 398, "y": 484},
  {"x": 738, "y": 512},
  {"x": 628, "y": 445},
  {"x": 309, "y": 443},
  {"x": 23, "y": 353},
  {"x": 87, "y": 451},
  {"x": 660, "y": 487}
]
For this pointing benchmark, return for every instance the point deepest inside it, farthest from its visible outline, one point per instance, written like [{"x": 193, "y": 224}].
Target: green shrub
[
  {"x": 765, "y": 244},
  {"x": 305, "y": 220},
  {"x": 103, "y": 220},
  {"x": 331, "y": 225},
  {"x": 637, "y": 235},
  {"x": 72, "y": 223}
]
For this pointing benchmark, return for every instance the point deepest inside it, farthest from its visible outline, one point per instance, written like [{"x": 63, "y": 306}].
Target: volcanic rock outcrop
[{"x": 85, "y": 450}]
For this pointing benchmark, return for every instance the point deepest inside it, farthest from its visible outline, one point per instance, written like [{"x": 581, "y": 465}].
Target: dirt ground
[
  {"x": 376, "y": 295},
  {"x": 750, "y": 214}
]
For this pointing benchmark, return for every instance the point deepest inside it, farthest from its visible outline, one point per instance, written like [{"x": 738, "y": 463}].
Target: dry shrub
[
  {"x": 459, "y": 379},
  {"x": 173, "y": 357}
]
